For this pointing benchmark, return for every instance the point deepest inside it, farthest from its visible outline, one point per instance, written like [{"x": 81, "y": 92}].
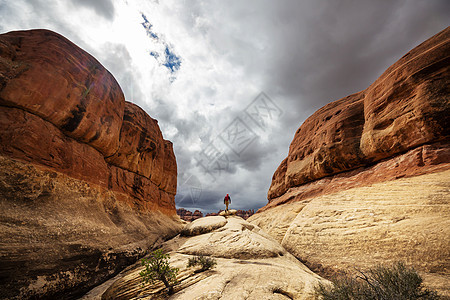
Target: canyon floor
[
  {"x": 356, "y": 228},
  {"x": 250, "y": 265}
]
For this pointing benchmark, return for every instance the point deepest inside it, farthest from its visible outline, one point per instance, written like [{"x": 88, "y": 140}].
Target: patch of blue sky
[
  {"x": 148, "y": 27},
  {"x": 173, "y": 62},
  {"x": 154, "y": 54},
  {"x": 167, "y": 58}
]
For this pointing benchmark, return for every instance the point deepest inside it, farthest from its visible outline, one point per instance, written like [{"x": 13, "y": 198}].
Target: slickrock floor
[
  {"x": 250, "y": 265},
  {"x": 401, "y": 220}
]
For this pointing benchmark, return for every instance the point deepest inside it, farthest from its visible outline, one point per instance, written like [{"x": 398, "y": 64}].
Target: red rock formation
[
  {"x": 188, "y": 215},
  {"x": 184, "y": 213},
  {"x": 366, "y": 178},
  {"x": 245, "y": 214},
  {"x": 408, "y": 106},
  {"x": 74, "y": 155},
  {"x": 422, "y": 160},
  {"x": 49, "y": 76}
]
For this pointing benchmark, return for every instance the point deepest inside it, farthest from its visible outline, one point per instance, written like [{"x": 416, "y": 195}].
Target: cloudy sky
[{"x": 231, "y": 81}]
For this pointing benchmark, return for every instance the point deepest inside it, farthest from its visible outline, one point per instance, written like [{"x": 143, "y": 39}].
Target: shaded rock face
[
  {"x": 250, "y": 265},
  {"x": 87, "y": 182},
  {"x": 408, "y": 106},
  {"x": 366, "y": 178}
]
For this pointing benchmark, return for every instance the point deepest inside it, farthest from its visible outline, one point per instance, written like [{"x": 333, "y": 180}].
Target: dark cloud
[
  {"x": 307, "y": 54},
  {"x": 104, "y": 8},
  {"x": 333, "y": 49}
]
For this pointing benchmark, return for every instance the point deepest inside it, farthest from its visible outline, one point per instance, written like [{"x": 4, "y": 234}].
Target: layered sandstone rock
[
  {"x": 47, "y": 75},
  {"x": 188, "y": 215},
  {"x": 250, "y": 265},
  {"x": 408, "y": 106},
  {"x": 87, "y": 182},
  {"x": 366, "y": 180},
  {"x": 407, "y": 220}
]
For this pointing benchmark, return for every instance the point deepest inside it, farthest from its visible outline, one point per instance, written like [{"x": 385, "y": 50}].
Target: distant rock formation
[
  {"x": 188, "y": 215},
  {"x": 347, "y": 196},
  {"x": 250, "y": 264},
  {"x": 87, "y": 182}
]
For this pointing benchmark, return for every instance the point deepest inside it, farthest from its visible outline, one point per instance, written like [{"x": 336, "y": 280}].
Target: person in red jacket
[{"x": 226, "y": 201}]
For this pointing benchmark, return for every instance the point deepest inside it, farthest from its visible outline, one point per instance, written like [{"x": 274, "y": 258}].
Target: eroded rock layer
[
  {"x": 408, "y": 106},
  {"x": 366, "y": 180},
  {"x": 87, "y": 182}
]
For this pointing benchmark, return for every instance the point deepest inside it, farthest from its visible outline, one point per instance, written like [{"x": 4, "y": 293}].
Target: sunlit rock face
[
  {"x": 366, "y": 180},
  {"x": 87, "y": 182}
]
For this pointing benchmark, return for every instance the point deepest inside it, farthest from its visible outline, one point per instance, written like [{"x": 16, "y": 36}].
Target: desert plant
[
  {"x": 379, "y": 283},
  {"x": 157, "y": 267},
  {"x": 206, "y": 263}
]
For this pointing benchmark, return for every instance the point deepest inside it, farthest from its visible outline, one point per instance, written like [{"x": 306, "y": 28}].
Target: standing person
[{"x": 226, "y": 201}]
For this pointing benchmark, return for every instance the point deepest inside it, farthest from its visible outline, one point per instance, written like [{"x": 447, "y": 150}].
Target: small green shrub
[
  {"x": 206, "y": 263},
  {"x": 157, "y": 267},
  {"x": 380, "y": 283}
]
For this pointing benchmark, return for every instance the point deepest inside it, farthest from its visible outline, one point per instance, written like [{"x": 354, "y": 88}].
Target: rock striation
[
  {"x": 250, "y": 265},
  {"x": 87, "y": 182},
  {"x": 407, "y": 107},
  {"x": 366, "y": 177}
]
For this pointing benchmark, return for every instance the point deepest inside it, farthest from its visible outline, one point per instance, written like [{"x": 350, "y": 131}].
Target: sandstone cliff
[
  {"x": 338, "y": 201},
  {"x": 87, "y": 182}
]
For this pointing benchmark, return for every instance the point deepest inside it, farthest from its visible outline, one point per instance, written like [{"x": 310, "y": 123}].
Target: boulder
[
  {"x": 231, "y": 238},
  {"x": 73, "y": 213},
  {"x": 203, "y": 225},
  {"x": 230, "y": 212}
]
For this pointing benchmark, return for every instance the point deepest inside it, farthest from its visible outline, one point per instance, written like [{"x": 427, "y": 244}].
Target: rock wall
[
  {"x": 366, "y": 180},
  {"x": 408, "y": 106},
  {"x": 87, "y": 182}
]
